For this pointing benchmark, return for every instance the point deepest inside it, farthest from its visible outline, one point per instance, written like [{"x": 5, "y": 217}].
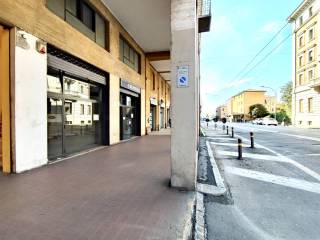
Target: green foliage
[
  {"x": 286, "y": 96},
  {"x": 258, "y": 111},
  {"x": 282, "y": 116}
]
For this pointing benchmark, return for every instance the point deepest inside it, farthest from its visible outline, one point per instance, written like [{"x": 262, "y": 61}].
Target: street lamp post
[{"x": 276, "y": 96}]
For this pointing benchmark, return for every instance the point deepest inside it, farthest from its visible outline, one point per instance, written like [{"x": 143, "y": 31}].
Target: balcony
[
  {"x": 204, "y": 15},
  {"x": 315, "y": 83}
]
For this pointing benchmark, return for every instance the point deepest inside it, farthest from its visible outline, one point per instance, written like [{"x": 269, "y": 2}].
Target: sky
[{"x": 239, "y": 30}]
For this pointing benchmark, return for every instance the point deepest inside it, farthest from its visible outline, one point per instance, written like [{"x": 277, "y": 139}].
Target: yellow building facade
[
  {"x": 241, "y": 103},
  {"x": 305, "y": 76}
]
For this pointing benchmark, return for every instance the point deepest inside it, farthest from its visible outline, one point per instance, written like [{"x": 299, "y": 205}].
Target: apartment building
[
  {"x": 222, "y": 112},
  {"x": 76, "y": 75},
  {"x": 305, "y": 62},
  {"x": 270, "y": 103},
  {"x": 240, "y": 103}
]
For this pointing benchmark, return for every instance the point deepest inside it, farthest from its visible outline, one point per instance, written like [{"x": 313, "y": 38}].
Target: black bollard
[
  {"x": 232, "y": 132},
  {"x": 251, "y": 140},
  {"x": 239, "y": 149},
  {"x": 227, "y": 130}
]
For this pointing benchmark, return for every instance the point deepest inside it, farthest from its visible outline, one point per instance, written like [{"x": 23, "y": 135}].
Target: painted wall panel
[{"x": 30, "y": 104}]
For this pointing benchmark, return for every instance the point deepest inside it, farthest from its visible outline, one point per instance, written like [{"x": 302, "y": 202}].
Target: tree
[
  {"x": 258, "y": 111},
  {"x": 286, "y": 96}
]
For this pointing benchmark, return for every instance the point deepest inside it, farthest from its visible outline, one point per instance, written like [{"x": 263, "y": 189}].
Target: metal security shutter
[{"x": 68, "y": 67}]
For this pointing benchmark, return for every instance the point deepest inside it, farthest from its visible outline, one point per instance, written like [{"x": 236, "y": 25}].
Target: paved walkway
[
  {"x": 161, "y": 132},
  {"x": 119, "y": 192}
]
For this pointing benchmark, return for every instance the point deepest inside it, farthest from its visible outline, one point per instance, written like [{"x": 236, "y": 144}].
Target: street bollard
[
  {"x": 251, "y": 140},
  {"x": 239, "y": 149},
  {"x": 215, "y": 126},
  {"x": 232, "y": 132},
  {"x": 223, "y": 127},
  {"x": 227, "y": 130}
]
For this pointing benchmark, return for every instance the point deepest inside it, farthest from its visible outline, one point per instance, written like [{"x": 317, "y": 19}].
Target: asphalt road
[{"x": 274, "y": 192}]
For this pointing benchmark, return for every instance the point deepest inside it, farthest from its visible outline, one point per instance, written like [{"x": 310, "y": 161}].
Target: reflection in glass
[
  {"x": 82, "y": 130},
  {"x": 54, "y": 84},
  {"x": 54, "y": 114},
  {"x": 74, "y": 116}
]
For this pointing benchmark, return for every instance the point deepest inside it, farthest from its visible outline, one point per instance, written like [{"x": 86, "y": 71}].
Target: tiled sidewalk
[{"x": 119, "y": 192}]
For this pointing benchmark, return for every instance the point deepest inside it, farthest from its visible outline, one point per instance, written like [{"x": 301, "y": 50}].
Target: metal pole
[
  {"x": 232, "y": 132},
  {"x": 251, "y": 140},
  {"x": 227, "y": 130},
  {"x": 239, "y": 149}
]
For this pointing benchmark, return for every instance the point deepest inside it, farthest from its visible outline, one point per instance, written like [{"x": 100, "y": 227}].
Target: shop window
[
  {"x": 89, "y": 110},
  {"x": 129, "y": 55},
  {"x": 84, "y": 18}
]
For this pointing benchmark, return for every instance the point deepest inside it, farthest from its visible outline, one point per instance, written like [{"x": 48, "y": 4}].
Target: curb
[
  {"x": 188, "y": 225},
  {"x": 218, "y": 190},
  {"x": 200, "y": 228}
]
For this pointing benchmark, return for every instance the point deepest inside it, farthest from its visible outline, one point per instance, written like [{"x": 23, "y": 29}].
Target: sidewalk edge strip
[
  {"x": 200, "y": 226},
  {"x": 188, "y": 226},
  {"x": 220, "y": 188}
]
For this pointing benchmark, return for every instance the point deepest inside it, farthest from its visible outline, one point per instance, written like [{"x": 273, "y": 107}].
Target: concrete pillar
[{"x": 185, "y": 105}]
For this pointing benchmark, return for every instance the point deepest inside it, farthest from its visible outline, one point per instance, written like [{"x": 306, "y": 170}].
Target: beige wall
[
  {"x": 306, "y": 88},
  {"x": 157, "y": 93}
]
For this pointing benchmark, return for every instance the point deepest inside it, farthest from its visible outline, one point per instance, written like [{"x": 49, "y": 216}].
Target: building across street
[{"x": 305, "y": 65}]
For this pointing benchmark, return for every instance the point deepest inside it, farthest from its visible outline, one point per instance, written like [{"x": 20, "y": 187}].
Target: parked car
[
  {"x": 257, "y": 121},
  {"x": 269, "y": 121}
]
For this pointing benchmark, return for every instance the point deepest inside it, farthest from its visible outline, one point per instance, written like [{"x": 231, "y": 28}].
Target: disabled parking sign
[{"x": 183, "y": 76}]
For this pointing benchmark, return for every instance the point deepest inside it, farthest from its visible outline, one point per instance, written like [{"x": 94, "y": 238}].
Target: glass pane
[
  {"x": 88, "y": 16},
  {"x": 100, "y": 31},
  {"x": 76, "y": 88},
  {"x": 56, "y": 6},
  {"x": 54, "y": 84},
  {"x": 83, "y": 118},
  {"x": 71, "y": 6},
  {"x": 54, "y": 114},
  {"x": 75, "y": 22}
]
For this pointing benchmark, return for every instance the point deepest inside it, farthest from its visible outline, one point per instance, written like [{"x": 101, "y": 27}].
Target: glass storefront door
[
  {"x": 74, "y": 115},
  {"x": 153, "y": 117},
  {"x": 128, "y": 116}
]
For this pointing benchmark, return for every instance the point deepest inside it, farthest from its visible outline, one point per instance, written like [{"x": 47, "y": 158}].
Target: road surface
[{"x": 274, "y": 192}]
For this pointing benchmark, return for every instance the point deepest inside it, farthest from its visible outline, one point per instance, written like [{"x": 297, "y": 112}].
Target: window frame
[
  {"x": 310, "y": 105},
  {"x": 301, "y": 106},
  {"x": 311, "y": 30}
]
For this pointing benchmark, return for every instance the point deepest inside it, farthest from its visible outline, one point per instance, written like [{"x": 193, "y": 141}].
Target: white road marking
[
  {"x": 280, "y": 180},
  {"x": 253, "y": 155},
  {"x": 301, "y": 136},
  {"x": 313, "y": 154},
  {"x": 229, "y": 144},
  {"x": 220, "y": 138},
  {"x": 298, "y": 165},
  {"x": 260, "y": 233}
]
